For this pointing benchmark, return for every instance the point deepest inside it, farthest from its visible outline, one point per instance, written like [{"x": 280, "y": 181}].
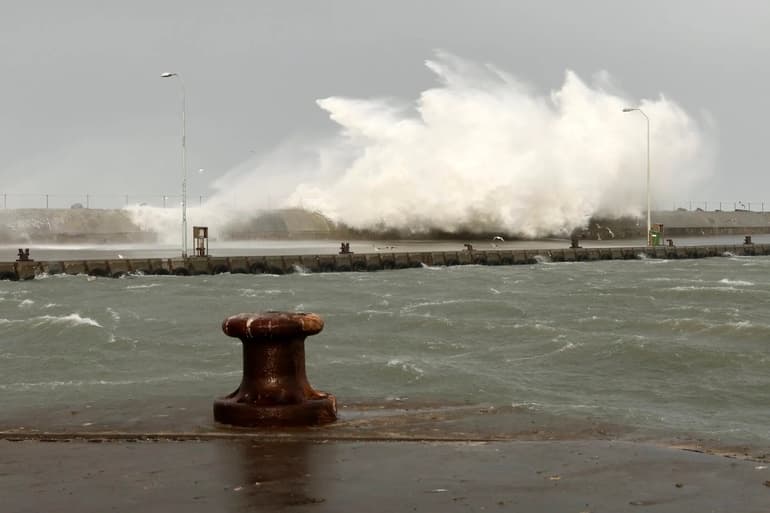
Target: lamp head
[
  {"x": 629, "y": 109},
  {"x": 167, "y": 75}
]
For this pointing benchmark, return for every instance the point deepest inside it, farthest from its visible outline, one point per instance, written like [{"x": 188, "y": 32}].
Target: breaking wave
[
  {"x": 483, "y": 151},
  {"x": 73, "y": 319}
]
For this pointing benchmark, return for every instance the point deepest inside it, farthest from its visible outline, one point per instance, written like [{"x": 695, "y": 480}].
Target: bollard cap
[{"x": 272, "y": 325}]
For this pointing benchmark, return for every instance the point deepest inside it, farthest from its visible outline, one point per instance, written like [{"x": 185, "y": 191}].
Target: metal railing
[
  {"x": 721, "y": 206},
  {"x": 160, "y": 200},
  {"x": 87, "y": 200}
]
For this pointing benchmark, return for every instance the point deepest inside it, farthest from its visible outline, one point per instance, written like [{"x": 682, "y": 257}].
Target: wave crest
[{"x": 73, "y": 319}]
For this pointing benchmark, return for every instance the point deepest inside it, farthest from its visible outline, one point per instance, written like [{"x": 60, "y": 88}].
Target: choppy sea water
[{"x": 677, "y": 345}]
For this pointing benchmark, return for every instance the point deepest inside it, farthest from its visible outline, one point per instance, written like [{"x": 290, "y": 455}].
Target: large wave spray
[{"x": 482, "y": 151}]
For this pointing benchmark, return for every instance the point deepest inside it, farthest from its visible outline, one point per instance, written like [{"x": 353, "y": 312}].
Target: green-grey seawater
[{"x": 676, "y": 345}]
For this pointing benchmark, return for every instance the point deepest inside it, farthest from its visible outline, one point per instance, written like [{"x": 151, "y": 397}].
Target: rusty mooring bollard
[{"x": 274, "y": 390}]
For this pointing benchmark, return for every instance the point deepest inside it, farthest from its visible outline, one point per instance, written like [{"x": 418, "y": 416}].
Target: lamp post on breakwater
[
  {"x": 184, "y": 161},
  {"x": 649, "y": 226}
]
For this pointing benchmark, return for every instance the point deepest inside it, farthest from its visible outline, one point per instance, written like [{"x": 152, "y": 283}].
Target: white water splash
[
  {"x": 301, "y": 270},
  {"x": 481, "y": 152},
  {"x": 407, "y": 367},
  {"x": 484, "y": 151}
]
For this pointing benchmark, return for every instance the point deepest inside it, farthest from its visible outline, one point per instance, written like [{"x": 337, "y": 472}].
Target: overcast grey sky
[{"x": 83, "y": 108}]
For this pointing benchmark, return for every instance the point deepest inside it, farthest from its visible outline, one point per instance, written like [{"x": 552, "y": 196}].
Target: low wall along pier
[{"x": 360, "y": 261}]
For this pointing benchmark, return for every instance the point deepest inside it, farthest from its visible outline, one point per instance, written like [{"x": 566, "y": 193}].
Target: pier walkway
[{"x": 284, "y": 264}]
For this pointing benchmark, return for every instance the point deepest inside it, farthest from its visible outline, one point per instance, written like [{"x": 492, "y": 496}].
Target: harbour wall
[
  {"x": 360, "y": 261},
  {"x": 67, "y": 226},
  {"x": 100, "y": 226}
]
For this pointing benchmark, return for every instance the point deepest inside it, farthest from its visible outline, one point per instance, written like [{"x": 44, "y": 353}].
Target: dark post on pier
[
  {"x": 274, "y": 390},
  {"x": 23, "y": 255}
]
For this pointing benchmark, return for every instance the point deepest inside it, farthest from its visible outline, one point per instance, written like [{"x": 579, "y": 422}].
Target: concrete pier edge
[{"x": 360, "y": 262}]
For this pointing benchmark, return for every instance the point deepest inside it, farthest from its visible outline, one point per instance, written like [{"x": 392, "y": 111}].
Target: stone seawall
[{"x": 360, "y": 261}]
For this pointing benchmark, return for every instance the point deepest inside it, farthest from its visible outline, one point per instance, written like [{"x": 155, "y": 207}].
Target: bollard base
[{"x": 311, "y": 412}]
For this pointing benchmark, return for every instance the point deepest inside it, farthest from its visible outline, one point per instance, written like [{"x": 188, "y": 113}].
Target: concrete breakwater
[
  {"x": 105, "y": 226},
  {"x": 65, "y": 226},
  {"x": 285, "y": 264},
  {"x": 109, "y": 226}
]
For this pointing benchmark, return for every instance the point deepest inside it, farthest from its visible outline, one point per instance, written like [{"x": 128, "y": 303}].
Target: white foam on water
[
  {"x": 263, "y": 292},
  {"x": 736, "y": 282},
  {"x": 193, "y": 376},
  {"x": 415, "y": 306},
  {"x": 73, "y": 319},
  {"x": 527, "y": 405},
  {"x": 52, "y": 385},
  {"x": 61, "y": 276},
  {"x": 535, "y": 325},
  {"x": 370, "y": 313},
  {"x": 143, "y": 286},
  {"x": 647, "y": 259},
  {"x": 407, "y": 367},
  {"x": 26, "y": 303},
  {"x": 566, "y": 347},
  {"x": 690, "y": 288},
  {"x": 687, "y": 323}
]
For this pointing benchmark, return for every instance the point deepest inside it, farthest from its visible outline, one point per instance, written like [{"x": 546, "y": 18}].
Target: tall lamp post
[
  {"x": 184, "y": 161},
  {"x": 649, "y": 226}
]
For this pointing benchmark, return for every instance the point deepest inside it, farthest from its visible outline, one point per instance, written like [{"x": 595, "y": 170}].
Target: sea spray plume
[
  {"x": 484, "y": 152},
  {"x": 481, "y": 152},
  {"x": 259, "y": 184}
]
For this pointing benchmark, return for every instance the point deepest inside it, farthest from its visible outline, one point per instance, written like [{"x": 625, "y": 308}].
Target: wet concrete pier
[
  {"x": 410, "y": 458},
  {"x": 284, "y": 264}
]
